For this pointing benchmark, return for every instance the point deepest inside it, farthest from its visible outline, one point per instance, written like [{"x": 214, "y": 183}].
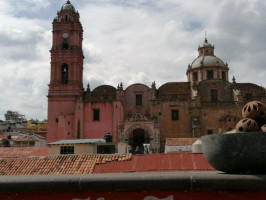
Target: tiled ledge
[{"x": 133, "y": 182}]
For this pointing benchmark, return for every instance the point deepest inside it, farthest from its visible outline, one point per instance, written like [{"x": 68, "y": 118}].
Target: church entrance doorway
[{"x": 137, "y": 140}]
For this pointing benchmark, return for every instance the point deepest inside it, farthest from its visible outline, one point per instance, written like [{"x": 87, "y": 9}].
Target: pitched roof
[
  {"x": 15, "y": 152},
  {"x": 103, "y": 163},
  {"x": 157, "y": 162},
  {"x": 63, "y": 164}
]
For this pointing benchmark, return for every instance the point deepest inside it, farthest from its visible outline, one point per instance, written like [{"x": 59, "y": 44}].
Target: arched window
[
  {"x": 214, "y": 95},
  {"x": 65, "y": 42},
  {"x": 64, "y": 72},
  {"x": 223, "y": 75},
  {"x": 209, "y": 74}
]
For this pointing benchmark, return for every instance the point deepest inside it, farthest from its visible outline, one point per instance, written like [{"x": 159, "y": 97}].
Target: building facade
[{"x": 206, "y": 104}]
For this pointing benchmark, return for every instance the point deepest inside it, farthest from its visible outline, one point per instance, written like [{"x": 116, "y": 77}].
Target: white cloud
[{"x": 137, "y": 41}]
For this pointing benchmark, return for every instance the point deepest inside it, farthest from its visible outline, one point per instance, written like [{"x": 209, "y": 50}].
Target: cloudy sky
[{"x": 127, "y": 41}]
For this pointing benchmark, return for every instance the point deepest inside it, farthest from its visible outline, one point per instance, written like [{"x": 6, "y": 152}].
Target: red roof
[
  {"x": 98, "y": 163},
  {"x": 61, "y": 164},
  {"x": 157, "y": 162},
  {"x": 16, "y": 152}
]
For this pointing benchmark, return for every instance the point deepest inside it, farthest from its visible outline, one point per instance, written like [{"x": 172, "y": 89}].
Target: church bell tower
[{"x": 66, "y": 76}]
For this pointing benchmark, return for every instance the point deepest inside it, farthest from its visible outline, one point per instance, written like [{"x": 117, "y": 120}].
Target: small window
[
  {"x": 214, "y": 96},
  {"x": 67, "y": 150},
  {"x": 174, "y": 115},
  {"x": 105, "y": 97},
  {"x": 105, "y": 149},
  {"x": 139, "y": 99},
  {"x": 195, "y": 76},
  {"x": 31, "y": 143},
  {"x": 96, "y": 114},
  {"x": 56, "y": 120},
  {"x": 174, "y": 96},
  {"x": 209, "y": 74},
  {"x": 248, "y": 97},
  {"x": 223, "y": 76},
  {"x": 209, "y": 131}
]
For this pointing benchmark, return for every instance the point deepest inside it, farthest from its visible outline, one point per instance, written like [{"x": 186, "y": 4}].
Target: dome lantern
[
  {"x": 206, "y": 49},
  {"x": 68, "y": 6}
]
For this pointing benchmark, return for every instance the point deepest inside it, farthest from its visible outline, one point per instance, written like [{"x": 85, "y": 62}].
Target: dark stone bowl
[{"x": 237, "y": 152}]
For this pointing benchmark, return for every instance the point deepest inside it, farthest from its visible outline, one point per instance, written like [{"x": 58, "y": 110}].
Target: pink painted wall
[
  {"x": 79, "y": 123},
  {"x": 59, "y": 129},
  {"x": 66, "y": 127},
  {"x": 111, "y": 114}
]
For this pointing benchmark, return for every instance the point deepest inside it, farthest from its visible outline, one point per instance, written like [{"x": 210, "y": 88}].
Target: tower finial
[
  {"x": 206, "y": 41},
  {"x": 234, "y": 80}
]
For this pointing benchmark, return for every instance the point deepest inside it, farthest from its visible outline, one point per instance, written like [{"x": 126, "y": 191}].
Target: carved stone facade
[{"x": 206, "y": 104}]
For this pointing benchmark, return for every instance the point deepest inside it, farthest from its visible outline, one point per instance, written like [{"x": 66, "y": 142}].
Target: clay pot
[
  {"x": 255, "y": 110},
  {"x": 263, "y": 128},
  {"x": 247, "y": 125}
]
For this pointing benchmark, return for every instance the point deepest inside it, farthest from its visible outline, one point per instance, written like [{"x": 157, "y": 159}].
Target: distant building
[
  {"x": 18, "y": 139},
  {"x": 81, "y": 146},
  {"x": 13, "y": 121},
  {"x": 37, "y": 125},
  {"x": 178, "y": 145},
  {"x": 206, "y": 104}
]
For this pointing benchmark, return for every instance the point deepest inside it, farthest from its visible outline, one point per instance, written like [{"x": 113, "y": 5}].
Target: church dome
[
  {"x": 206, "y": 57},
  {"x": 68, "y": 6},
  {"x": 206, "y": 61},
  {"x": 103, "y": 89}
]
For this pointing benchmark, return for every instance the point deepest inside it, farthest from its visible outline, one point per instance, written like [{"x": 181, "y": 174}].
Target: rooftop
[
  {"x": 79, "y": 141},
  {"x": 60, "y": 184},
  {"x": 157, "y": 163},
  {"x": 63, "y": 164},
  {"x": 103, "y": 163},
  {"x": 18, "y": 152}
]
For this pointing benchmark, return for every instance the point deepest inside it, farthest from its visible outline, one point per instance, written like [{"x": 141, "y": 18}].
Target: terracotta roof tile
[
  {"x": 63, "y": 164},
  {"x": 15, "y": 152}
]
